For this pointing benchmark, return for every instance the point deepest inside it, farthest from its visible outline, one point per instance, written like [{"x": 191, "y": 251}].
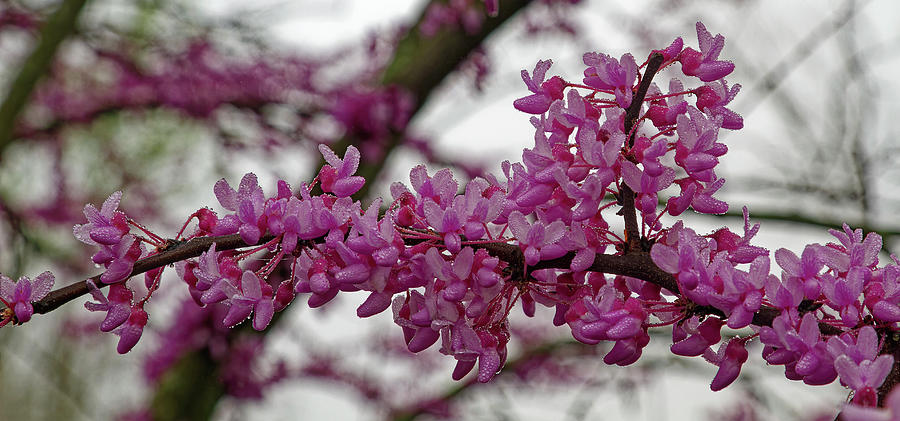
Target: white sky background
[{"x": 486, "y": 126}]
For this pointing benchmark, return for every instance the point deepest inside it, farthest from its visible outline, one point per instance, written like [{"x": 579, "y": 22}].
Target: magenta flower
[
  {"x": 585, "y": 242},
  {"x": 608, "y": 317},
  {"x": 805, "y": 270},
  {"x": 692, "y": 338},
  {"x": 799, "y": 348},
  {"x": 117, "y": 304},
  {"x": 665, "y": 112},
  {"x": 130, "y": 332},
  {"x": 712, "y": 99},
  {"x": 883, "y": 294},
  {"x": 106, "y": 226},
  {"x": 579, "y": 114},
  {"x": 453, "y": 274},
  {"x": 247, "y": 202},
  {"x": 412, "y": 314},
  {"x": 671, "y": 52},
  {"x": 730, "y": 358},
  {"x": 608, "y": 74},
  {"x": 859, "y": 347},
  {"x": 119, "y": 259},
  {"x": 687, "y": 256},
  {"x": 483, "y": 205},
  {"x": 697, "y": 150},
  {"x": 312, "y": 275},
  {"x": 544, "y": 93},
  {"x": 654, "y": 176},
  {"x": 538, "y": 240},
  {"x": 739, "y": 248},
  {"x": 440, "y": 188},
  {"x": 705, "y": 64},
  {"x": 864, "y": 377},
  {"x": 742, "y": 292},
  {"x": 696, "y": 195},
  {"x": 486, "y": 347},
  {"x": 378, "y": 239},
  {"x": 890, "y": 412},
  {"x": 337, "y": 177},
  {"x": 853, "y": 250},
  {"x": 108, "y": 229},
  {"x": 254, "y": 296},
  {"x": 447, "y": 221},
  {"x": 20, "y": 295}
]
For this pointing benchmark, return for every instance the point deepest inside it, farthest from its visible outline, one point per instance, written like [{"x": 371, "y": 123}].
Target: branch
[
  {"x": 626, "y": 199},
  {"x": 636, "y": 264},
  {"x": 187, "y": 250},
  {"x": 58, "y": 26}
]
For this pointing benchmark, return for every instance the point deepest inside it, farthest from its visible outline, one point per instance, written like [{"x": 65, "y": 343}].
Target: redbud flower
[
  {"x": 864, "y": 377},
  {"x": 119, "y": 259},
  {"x": 117, "y": 305},
  {"x": 337, "y": 177},
  {"x": 440, "y": 188},
  {"x": 712, "y": 99},
  {"x": 664, "y": 112},
  {"x": 247, "y": 202},
  {"x": 130, "y": 332},
  {"x": 106, "y": 226},
  {"x": 692, "y": 338},
  {"x": 20, "y": 295},
  {"x": 108, "y": 229},
  {"x": 883, "y": 294},
  {"x": 730, "y": 358},
  {"x": 544, "y": 93},
  {"x": 890, "y": 412},
  {"x": 705, "y": 64},
  {"x": 672, "y": 51},
  {"x": 412, "y": 315},
  {"x": 697, "y": 149},
  {"x": 739, "y": 248},
  {"x": 254, "y": 296},
  {"x": 607, "y": 73},
  {"x": 537, "y": 240}
]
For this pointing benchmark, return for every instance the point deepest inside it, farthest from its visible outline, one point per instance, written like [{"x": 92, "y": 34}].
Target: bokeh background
[{"x": 161, "y": 98}]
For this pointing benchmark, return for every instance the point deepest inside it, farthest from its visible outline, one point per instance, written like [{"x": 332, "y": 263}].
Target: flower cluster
[
  {"x": 843, "y": 279},
  {"x": 452, "y": 261},
  {"x": 109, "y": 230}
]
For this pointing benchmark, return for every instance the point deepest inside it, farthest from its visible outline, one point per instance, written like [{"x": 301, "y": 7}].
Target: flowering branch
[
  {"x": 453, "y": 265},
  {"x": 180, "y": 252}
]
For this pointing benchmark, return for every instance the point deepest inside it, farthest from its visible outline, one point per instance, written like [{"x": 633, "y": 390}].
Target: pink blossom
[
  {"x": 730, "y": 358},
  {"x": 247, "y": 202},
  {"x": 606, "y": 73},
  {"x": 130, "y": 332},
  {"x": 20, "y": 295},
  {"x": 543, "y": 92},
  {"x": 117, "y": 304},
  {"x": 337, "y": 177},
  {"x": 705, "y": 64},
  {"x": 538, "y": 240},
  {"x": 889, "y": 412}
]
